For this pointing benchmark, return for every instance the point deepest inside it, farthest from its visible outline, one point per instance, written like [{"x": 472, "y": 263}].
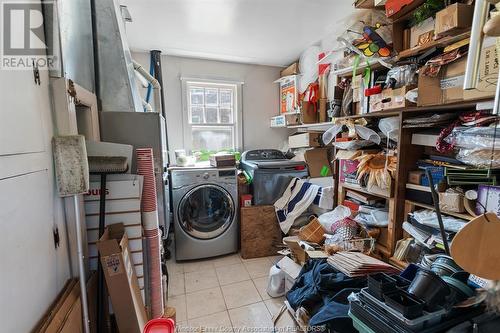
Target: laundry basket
[{"x": 160, "y": 325}]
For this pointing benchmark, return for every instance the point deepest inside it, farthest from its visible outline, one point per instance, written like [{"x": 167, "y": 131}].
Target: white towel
[{"x": 298, "y": 196}]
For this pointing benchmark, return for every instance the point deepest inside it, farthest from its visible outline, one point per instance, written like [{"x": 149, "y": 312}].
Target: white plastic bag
[
  {"x": 276, "y": 282},
  {"x": 328, "y": 219},
  {"x": 390, "y": 127}
]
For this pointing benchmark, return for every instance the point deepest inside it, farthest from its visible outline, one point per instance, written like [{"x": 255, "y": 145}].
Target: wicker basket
[{"x": 313, "y": 232}]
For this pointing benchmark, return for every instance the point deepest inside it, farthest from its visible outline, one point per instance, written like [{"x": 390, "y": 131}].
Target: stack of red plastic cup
[{"x": 145, "y": 168}]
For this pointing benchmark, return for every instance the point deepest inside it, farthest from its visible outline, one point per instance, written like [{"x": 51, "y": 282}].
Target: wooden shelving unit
[
  {"x": 407, "y": 153},
  {"x": 398, "y": 263},
  {"x": 442, "y": 42},
  {"x": 347, "y": 71},
  {"x": 312, "y": 127},
  {"x": 411, "y": 205}
]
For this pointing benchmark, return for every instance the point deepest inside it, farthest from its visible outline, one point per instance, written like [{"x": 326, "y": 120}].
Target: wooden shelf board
[
  {"x": 316, "y": 126},
  {"x": 442, "y": 42},
  {"x": 398, "y": 263},
  {"x": 463, "y": 216},
  {"x": 374, "y": 64},
  {"x": 382, "y": 249},
  {"x": 466, "y": 105},
  {"x": 362, "y": 190}
]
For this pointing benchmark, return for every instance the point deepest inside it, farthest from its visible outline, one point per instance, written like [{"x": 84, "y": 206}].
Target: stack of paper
[{"x": 355, "y": 264}]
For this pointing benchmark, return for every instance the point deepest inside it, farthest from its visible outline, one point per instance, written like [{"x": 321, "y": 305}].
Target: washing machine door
[{"x": 206, "y": 211}]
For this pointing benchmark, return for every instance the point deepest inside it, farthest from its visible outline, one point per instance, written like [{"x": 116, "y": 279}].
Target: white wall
[
  {"x": 260, "y": 97},
  {"x": 33, "y": 271}
]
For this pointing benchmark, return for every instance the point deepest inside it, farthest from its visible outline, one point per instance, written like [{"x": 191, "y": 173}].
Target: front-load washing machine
[{"x": 205, "y": 209}]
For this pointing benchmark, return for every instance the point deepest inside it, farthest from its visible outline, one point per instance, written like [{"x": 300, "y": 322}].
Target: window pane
[
  {"x": 196, "y": 115},
  {"x": 211, "y": 96},
  {"x": 213, "y": 139},
  {"x": 226, "y": 97},
  {"x": 226, "y": 116},
  {"x": 196, "y": 95},
  {"x": 211, "y": 116}
]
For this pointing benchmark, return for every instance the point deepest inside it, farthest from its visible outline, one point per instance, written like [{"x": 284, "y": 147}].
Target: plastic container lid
[{"x": 160, "y": 325}]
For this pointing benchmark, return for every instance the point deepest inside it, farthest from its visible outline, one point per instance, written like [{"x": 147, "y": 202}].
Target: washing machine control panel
[{"x": 189, "y": 177}]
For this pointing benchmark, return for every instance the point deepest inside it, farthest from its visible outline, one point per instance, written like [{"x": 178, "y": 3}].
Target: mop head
[
  {"x": 70, "y": 162},
  {"x": 108, "y": 164}
]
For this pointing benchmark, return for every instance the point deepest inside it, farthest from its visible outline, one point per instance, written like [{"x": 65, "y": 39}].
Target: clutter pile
[{"x": 415, "y": 163}]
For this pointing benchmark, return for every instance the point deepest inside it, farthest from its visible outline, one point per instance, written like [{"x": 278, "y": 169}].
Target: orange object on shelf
[{"x": 394, "y": 6}]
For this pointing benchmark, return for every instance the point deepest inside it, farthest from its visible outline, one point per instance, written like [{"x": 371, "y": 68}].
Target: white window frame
[{"x": 186, "y": 110}]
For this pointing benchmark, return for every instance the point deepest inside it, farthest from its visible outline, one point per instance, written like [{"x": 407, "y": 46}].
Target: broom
[
  {"x": 72, "y": 175},
  {"x": 103, "y": 166}
]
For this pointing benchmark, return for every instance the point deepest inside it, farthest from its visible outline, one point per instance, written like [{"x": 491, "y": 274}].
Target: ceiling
[{"x": 266, "y": 32}]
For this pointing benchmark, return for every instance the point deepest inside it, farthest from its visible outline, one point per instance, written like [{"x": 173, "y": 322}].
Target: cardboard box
[
  {"x": 299, "y": 254},
  {"x": 348, "y": 171},
  {"x": 390, "y": 99},
  {"x": 446, "y": 88},
  {"x": 453, "y": 81},
  {"x": 289, "y": 94},
  {"x": 245, "y": 200},
  {"x": 454, "y": 18},
  {"x": 488, "y": 72},
  {"x": 260, "y": 233},
  {"x": 451, "y": 202},
  {"x": 322, "y": 181},
  {"x": 318, "y": 162},
  {"x": 291, "y": 270},
  {"x": 415, "y": 176},
  {"x": 278, "y": 121},
  {"x": 123, "y": 287},
  {"x": 222, "y": 160},
  {"x": 420, "y": 29},
  {"x": 322, "y": 111},
  {"x": 309, "y": 113},
  {"x": 304, "y": 140},
  {"x": 293, "y": 69}
]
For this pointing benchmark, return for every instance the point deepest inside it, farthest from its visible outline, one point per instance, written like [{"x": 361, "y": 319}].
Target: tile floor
[{"x": 223, "y": 294}]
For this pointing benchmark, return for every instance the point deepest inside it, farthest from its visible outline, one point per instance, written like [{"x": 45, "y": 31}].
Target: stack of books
[{"x": 355, "y": 264}]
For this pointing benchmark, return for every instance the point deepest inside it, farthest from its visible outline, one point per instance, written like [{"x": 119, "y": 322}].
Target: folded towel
[{"x": 297, "y": 197}]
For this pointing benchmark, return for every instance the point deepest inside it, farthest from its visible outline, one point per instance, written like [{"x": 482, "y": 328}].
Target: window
[{"x": 211, "y": 116}]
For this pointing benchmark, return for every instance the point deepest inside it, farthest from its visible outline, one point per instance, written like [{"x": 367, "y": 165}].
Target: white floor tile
[
  {"x": 205, "y": 302},
  {"x": 217, "y": 322},
  {"x": 174, "y": 268},
  {"x": 198, "y": 265},
  {"x": 274, "y": 304},
  {"x": 231, "y": 274},
  {"x": 258, "y": 268},
  {"x": 182, "y": 327},
  {"x": 230, "y": 259},
  {"x": 261, "y": 285},
  {"x": 179, "y": 303},
  {"x": 176, "y": 284},
  {"x": 251, "y": 318},
  {"x": 199, "y": 280},
  {"x": 240, "y": 293}
]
